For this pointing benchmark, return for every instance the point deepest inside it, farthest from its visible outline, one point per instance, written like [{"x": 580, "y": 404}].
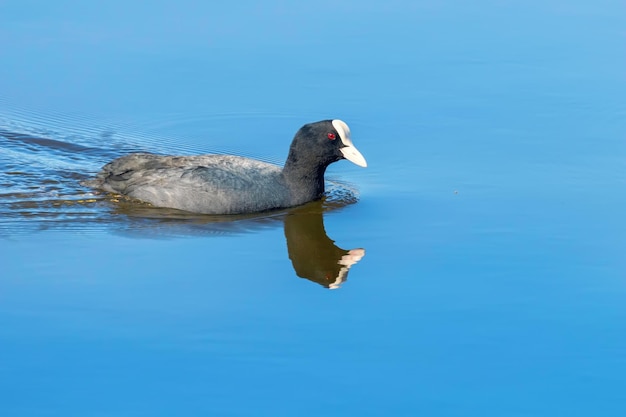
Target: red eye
[{"x": 331, "y": 136}]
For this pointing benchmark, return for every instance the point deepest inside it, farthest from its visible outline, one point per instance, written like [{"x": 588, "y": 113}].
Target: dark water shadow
[{"x": 313, "y": 254}]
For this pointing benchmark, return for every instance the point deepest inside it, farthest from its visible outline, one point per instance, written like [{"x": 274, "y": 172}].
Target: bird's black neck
[{"x": 304, "y": 179}]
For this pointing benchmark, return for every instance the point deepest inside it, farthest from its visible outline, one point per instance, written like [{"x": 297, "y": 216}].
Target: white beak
[
  {"x": 352, "y": 154},
  {"x": 349, "y": 152}
]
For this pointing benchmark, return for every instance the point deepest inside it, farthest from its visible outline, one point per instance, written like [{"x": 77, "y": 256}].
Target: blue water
[{"x": 490, "y": 217}]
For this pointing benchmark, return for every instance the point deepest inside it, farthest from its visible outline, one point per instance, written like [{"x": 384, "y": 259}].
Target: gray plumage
[{"x": 226, "y": 184}]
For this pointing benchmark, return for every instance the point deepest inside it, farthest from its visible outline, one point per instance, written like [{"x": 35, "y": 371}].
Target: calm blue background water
[{"x": 491, "y": 213}]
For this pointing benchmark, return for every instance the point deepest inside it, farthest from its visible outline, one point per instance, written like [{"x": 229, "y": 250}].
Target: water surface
[{"x": 474, "y": 268}]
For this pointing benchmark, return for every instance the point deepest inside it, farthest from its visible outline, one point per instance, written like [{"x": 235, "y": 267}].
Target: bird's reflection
[{"x": 313, "y": 254}]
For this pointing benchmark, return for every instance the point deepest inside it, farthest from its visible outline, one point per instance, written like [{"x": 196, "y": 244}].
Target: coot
[{"x": 227, "y": 184}]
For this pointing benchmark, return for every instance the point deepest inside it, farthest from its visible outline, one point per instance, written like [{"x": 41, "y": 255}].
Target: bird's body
[
  {"x": 227, "y": 184},
  {"x": 211, "y": 184}
]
